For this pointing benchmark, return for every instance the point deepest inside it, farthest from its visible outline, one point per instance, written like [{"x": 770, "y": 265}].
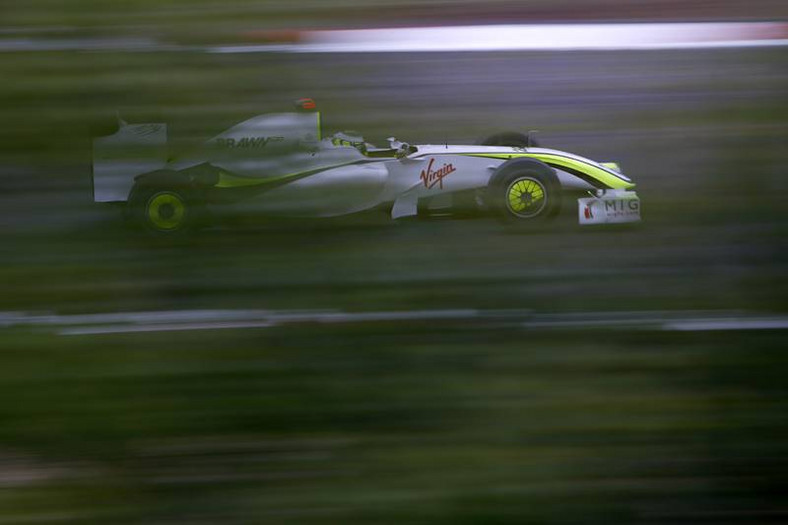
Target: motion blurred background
[{"x": 580, "y": 381}]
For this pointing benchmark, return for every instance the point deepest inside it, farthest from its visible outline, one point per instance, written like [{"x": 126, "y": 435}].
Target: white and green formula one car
[{"x": 280, "y": 165}]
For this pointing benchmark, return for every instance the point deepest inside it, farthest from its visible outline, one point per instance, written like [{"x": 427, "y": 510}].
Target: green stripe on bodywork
[
  {"x": 558, "y": 161},
  {"x": 228, "y": 180}
]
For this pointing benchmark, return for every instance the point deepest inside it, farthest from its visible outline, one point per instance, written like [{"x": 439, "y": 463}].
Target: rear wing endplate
[{"x": 117, "y": 159}]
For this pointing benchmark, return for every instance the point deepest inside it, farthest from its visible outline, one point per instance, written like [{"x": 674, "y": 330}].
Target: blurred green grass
[
  {"x": 438, "y": 423},
  {"x": 203, "y": 20}
]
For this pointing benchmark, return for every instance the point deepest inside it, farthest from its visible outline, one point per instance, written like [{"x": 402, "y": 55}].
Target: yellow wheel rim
[
  {"x": 526, "y": 197},
  {"x": 166, "y": 211}
]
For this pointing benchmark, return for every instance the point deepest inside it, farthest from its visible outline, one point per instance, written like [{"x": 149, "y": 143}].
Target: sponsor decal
[
  {"x": 432, "y": 177},
  {"x": 622, "y": 207},
  {"x": 247, "y": 142},
  {"x": 143, "y": 130},
  {"x": 608, "y": 210},
  {"x": 588, "y": 212}
]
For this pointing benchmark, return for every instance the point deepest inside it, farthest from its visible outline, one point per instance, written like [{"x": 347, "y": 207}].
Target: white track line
[
  {"x": 532, "y": 37},
  {"x": 262, "y": 319},
  {"x": 186, "y": 320},
  {"x": 504, "y": 37},
  {"x": 163, "y": 327},
  {"x": 706, "y": 325}
]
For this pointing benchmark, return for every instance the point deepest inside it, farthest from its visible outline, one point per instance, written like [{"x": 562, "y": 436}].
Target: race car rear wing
[{"x": 117, "y": 159}]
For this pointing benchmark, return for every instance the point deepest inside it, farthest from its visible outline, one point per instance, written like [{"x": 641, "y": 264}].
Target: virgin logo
[{"x": 430, "y": 178}]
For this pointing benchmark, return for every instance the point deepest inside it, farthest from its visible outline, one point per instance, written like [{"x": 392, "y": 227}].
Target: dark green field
[{"x": 434, "y": 424}]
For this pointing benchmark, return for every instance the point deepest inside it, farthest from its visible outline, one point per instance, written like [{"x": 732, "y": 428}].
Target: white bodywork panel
[
  {"x": 337, "y": 191},
  {"x": 265, "y": 146},
  {"x": 421, "y": 176}
]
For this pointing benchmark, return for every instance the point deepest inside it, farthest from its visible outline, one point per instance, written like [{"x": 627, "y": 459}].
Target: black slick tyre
[
  {"x": 525, "y": 194},
  {"x": 163, "y": 211}
]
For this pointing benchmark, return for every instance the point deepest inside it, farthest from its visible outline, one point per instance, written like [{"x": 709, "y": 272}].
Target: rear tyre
[
  {"x": 164, "y": 211},
  {"x": 525, "y": 196}
]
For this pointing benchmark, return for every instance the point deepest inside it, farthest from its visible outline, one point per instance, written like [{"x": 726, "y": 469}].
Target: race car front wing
[{"x": 609, "y": 207}]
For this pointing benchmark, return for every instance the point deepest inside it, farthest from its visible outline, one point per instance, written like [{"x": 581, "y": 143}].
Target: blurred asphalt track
[{"x": 701, "y": 132}]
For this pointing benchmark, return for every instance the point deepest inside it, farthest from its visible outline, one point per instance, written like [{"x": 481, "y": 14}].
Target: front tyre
[
  {"x": 526, "y": 196},
  {"x": 163, "y": 211}
]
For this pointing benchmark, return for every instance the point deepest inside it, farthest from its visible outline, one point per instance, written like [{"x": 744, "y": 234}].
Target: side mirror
[
  {"x": 406, "y": 149},
  {"x": 403, "y": 148}
]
